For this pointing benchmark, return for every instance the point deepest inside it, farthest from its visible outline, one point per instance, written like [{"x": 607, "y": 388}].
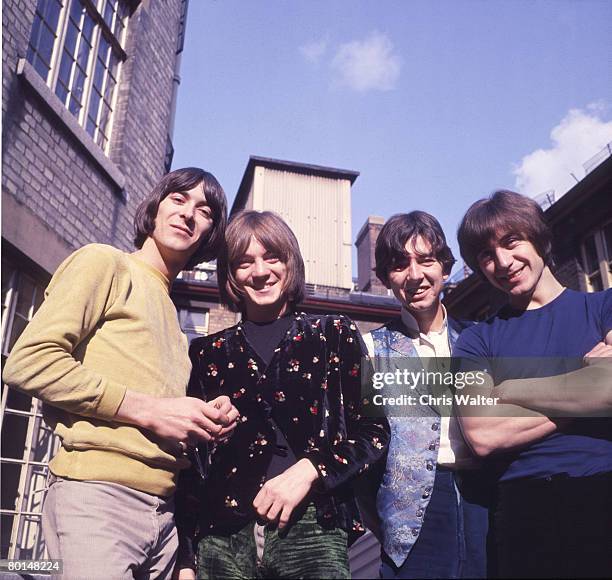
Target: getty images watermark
[
  {"x": 418, "y": 380},
  {"x": 508, "y": 386}
]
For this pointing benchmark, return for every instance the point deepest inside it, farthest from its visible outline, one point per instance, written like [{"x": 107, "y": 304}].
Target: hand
[
  {"x": 177, "y": 419},
  {"x": 183, "y": 574},
  {"x": 224, "y": 405},
  {"x": 282, "y": 494},
  {"x": 599, "y": 351}
]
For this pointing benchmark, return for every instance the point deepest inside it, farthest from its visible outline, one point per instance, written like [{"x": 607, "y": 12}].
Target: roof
[
  {"x": 590, "y": 184},
  {"x": 290, "y": 166},
  {"x": 360, "y": 305}
]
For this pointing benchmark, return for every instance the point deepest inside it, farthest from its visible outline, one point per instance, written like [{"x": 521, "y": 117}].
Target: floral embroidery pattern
[{"x": 339, "y": 459}]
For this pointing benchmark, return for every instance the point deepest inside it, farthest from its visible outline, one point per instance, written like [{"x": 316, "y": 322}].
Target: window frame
[
  {"x": 603, "y": 255},
  {"x": 25, "y": 540},
  {"x": 101, "y": 29}
]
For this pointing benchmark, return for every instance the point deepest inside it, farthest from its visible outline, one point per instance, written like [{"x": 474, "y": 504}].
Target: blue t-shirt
[{"x": 569, "y": 326}]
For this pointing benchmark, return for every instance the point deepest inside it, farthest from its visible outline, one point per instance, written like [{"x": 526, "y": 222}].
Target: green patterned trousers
[{"x": 302, "y": 550}]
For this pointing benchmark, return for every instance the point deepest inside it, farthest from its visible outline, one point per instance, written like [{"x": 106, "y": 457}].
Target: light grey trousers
[{"x": 106, "y": 530}]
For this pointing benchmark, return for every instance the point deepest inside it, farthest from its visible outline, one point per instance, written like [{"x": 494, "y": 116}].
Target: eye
[
  {"x": 177, "y": 198},
  {"x": 484, "y": 257},
  {"x": 428, "y": 261},
  {"x": 272, "y": 259},
  {"x": 205, "y": 211},
  {"x": 399, "y": 266}
]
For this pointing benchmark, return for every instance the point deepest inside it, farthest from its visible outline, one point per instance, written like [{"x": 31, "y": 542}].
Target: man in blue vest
[{"x": 431, "y": 511}]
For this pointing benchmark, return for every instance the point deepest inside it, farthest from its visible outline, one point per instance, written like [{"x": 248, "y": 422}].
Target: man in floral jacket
[
  {"x": 432, "y": 519},
  {"x": 276, "y": 500}
]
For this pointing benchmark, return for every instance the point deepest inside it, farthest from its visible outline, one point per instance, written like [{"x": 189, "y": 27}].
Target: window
[
  {"x": 194, "y": 322},
  {"x": 27, "y": 443},
  {"x": 597, "y": 259},
  {"x": 77, "y": 47}
]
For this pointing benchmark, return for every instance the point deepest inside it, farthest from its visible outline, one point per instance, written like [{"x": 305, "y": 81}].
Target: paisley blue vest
[{"x": 409, "y": 475}]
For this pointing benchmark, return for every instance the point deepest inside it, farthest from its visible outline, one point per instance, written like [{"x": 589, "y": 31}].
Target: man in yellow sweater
[{"x": 106, "y": 353}]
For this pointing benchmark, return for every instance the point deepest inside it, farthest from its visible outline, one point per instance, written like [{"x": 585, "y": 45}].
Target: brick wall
[
  {"x": 49, "y": 172},
  {"x": 221, "y": 317}
]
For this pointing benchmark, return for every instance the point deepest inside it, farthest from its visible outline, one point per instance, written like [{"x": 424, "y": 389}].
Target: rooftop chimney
[{"x": 366, "y": 243}]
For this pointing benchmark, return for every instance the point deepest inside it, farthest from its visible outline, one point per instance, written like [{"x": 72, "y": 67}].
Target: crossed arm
[
  {"x": 584, "y": 392},
  {"x": 523, "y": 413}
]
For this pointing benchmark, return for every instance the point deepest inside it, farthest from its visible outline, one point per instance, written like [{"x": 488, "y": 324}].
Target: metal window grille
[
  {"x": 27, "y": 443},
  {"x": 77, "y": 47}
]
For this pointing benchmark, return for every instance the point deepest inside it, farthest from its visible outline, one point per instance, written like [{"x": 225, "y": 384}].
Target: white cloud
[
  {"x": 367, "y": 65},
  {"x": 580, "y": 135},
  {"x": 313, "y": 51}
]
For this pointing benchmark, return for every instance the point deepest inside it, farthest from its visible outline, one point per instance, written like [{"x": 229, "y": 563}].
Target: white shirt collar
[{"x": 412, "y": 325}]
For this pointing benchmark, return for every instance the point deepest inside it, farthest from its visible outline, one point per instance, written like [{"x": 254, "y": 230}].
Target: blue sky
[{"x": 435, "y": 103}]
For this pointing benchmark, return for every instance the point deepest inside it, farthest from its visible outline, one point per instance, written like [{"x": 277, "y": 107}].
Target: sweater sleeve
[
  {"x": 41, "y": 363},
  {"x": 366, "y": 437}
]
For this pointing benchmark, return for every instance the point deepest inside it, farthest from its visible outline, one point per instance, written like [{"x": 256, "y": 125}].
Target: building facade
[{"x": 88, "y": 96}]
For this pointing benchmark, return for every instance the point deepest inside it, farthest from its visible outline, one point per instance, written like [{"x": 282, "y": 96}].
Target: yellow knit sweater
[{"x": 107, "y": 324}]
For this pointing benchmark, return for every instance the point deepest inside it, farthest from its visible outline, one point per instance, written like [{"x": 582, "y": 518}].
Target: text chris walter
[{"x": 430, "y": 400}]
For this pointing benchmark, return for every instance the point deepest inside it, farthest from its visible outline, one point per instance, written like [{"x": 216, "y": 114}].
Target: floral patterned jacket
[{"x": 312, "y": 391}]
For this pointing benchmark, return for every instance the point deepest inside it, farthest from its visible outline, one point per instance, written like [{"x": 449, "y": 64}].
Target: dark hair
[
  {"x": 502, "y": 213},
  {"x": 273, "y": 234},
  {"x": 391, "y": 242},
  {"x": 183, "y": 180}
]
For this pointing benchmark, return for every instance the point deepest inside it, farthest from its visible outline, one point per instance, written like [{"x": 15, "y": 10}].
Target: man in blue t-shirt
[{"x": 554, "y": 506}]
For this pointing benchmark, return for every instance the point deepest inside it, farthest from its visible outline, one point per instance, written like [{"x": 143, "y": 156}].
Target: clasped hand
[{"x": 280, "y": 495}]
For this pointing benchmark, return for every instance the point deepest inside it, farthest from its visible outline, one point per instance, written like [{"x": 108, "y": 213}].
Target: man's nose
[
  {"x": 188, "y": 211},
  {"x": 260, "y": 268},
  {"x": 503, "y": 258},
  {"x": 414, "y": 271}
]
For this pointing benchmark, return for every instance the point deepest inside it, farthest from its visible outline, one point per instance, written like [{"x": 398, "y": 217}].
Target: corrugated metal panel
[
  {"x": 255, "y": 199},
  {"x": 364, "y": 557},
  {"x": 318, "y": 211}
]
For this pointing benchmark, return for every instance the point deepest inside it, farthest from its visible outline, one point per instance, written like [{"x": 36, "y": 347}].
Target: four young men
[{"x": 273, "y": 428}]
